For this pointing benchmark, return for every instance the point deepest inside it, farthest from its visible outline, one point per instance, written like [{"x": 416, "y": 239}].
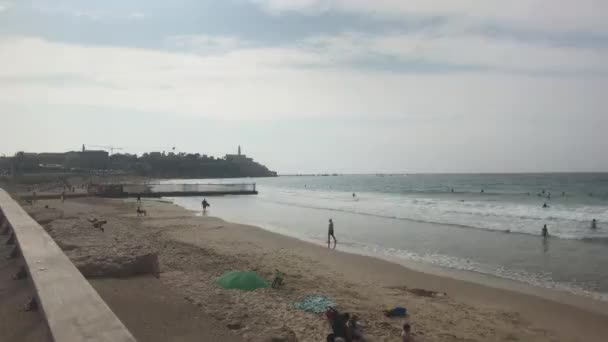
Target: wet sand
[{"x": 193, "y": 251}]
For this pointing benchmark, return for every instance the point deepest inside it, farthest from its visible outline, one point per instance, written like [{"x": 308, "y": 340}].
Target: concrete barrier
[{"x": 73, "y": 310}]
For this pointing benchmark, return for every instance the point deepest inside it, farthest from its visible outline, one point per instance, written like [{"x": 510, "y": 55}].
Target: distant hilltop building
[
  {"x": 24, "y": 162},
  {"x": 153, "y": 164},
  {"x": 86, "y": 159},
  {"x": 238, "y": 157},
  {"x": 247, "y": 166}
]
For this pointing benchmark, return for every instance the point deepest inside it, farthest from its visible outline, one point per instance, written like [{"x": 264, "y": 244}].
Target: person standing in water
[
  {"x": 330, "y": 234},
  {"x": 545, "y": 232},
  {"x": 594, "y": 224}
]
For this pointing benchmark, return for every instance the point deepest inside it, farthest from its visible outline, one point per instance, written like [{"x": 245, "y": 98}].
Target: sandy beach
[{"x": 183, "y": 303}]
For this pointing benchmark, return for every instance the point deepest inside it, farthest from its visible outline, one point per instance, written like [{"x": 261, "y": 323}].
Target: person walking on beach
[
  {"x": 545, "y": 232},
  {"x": 406, "y": 333},
  {"x": 330, "y": 234},
  {"x": 205, "y": 204}
]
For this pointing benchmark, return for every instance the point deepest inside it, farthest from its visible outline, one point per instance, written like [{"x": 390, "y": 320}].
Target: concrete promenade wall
[{"x": 73, "y": 310}]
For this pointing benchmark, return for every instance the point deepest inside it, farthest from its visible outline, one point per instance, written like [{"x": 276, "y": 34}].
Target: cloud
[
  {"x": 472, "y": 51},
  {"x": 90, "y": 14},
  {"x": 583, "y": 15},
  {"x": 4, "y": 6},
  {"x": 137, "y": 15},
  {"x": 202, "y": 43},
  {"x": 312, "y": 78}
]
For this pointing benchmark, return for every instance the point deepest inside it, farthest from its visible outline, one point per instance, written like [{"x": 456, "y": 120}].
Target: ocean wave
[{"x": 564, "y": 221}]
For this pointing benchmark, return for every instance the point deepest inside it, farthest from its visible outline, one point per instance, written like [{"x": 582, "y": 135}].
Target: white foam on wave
[
  {"x": 404, "y": 256},
  {"x": 568, "y": 221},
  {"x": 539, "y": 280}
]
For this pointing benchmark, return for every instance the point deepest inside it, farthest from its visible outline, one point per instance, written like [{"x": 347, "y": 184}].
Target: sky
[{"x": 347, "y": 86}]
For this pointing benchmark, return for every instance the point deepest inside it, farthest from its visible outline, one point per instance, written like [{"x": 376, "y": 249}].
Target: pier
[{"x": 72, "y": 309}]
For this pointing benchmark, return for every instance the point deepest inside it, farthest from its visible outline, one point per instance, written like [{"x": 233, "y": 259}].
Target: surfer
[
  {"x": 594, "y": 224},
  {"x": 545, "y": 231}
]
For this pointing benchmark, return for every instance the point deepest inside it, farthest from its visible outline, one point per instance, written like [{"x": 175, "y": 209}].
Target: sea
[{"x": 488, "y": 224}]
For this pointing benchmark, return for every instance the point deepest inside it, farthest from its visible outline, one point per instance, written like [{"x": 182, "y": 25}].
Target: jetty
[{"x": 153, "y": 190}]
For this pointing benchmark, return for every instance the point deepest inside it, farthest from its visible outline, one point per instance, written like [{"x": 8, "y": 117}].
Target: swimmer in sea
[{"x": 545, "y": 231}]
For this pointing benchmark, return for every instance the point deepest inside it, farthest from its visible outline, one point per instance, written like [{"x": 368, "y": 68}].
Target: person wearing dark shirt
[{"x": 330, "y": 234}]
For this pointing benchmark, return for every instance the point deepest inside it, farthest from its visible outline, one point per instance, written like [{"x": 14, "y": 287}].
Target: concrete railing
[{"x": 73, "y": 310}]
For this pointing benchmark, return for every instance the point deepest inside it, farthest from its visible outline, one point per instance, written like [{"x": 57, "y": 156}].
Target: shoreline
[
  {"x": 541, "y": 306},
  {"x": 193, "y": 251},
  {"x": 583, "y": 301},
  {"x": 532, "y": 284}
]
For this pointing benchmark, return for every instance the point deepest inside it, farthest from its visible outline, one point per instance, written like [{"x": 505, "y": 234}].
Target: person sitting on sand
[
  {"x": 406, "y": 335},
  {"x": 339, "y": 329},
  {"x": 355, "y": 329},
  {"x": 594, "y": 224},
  {"x": 330, "y": 234},
  {"x": 545, "y": 231}
]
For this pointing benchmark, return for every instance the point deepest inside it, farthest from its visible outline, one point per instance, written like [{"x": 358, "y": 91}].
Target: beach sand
[
  {"x": 193, "y": 251},
  {"x": 17, "y": 324}
]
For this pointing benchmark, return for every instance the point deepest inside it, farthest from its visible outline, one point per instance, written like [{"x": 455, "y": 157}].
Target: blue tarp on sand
[{"x": 315, "y": 303}]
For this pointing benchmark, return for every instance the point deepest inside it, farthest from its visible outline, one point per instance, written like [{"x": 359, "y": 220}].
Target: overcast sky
[{"x": 313, "y": 85}]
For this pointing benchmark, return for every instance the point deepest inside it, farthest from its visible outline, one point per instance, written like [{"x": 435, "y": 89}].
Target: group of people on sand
[{"x": 347, "y": 328}]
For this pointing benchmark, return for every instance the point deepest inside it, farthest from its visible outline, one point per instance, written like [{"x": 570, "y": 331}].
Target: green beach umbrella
[{"x": 246, "y": 281}]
